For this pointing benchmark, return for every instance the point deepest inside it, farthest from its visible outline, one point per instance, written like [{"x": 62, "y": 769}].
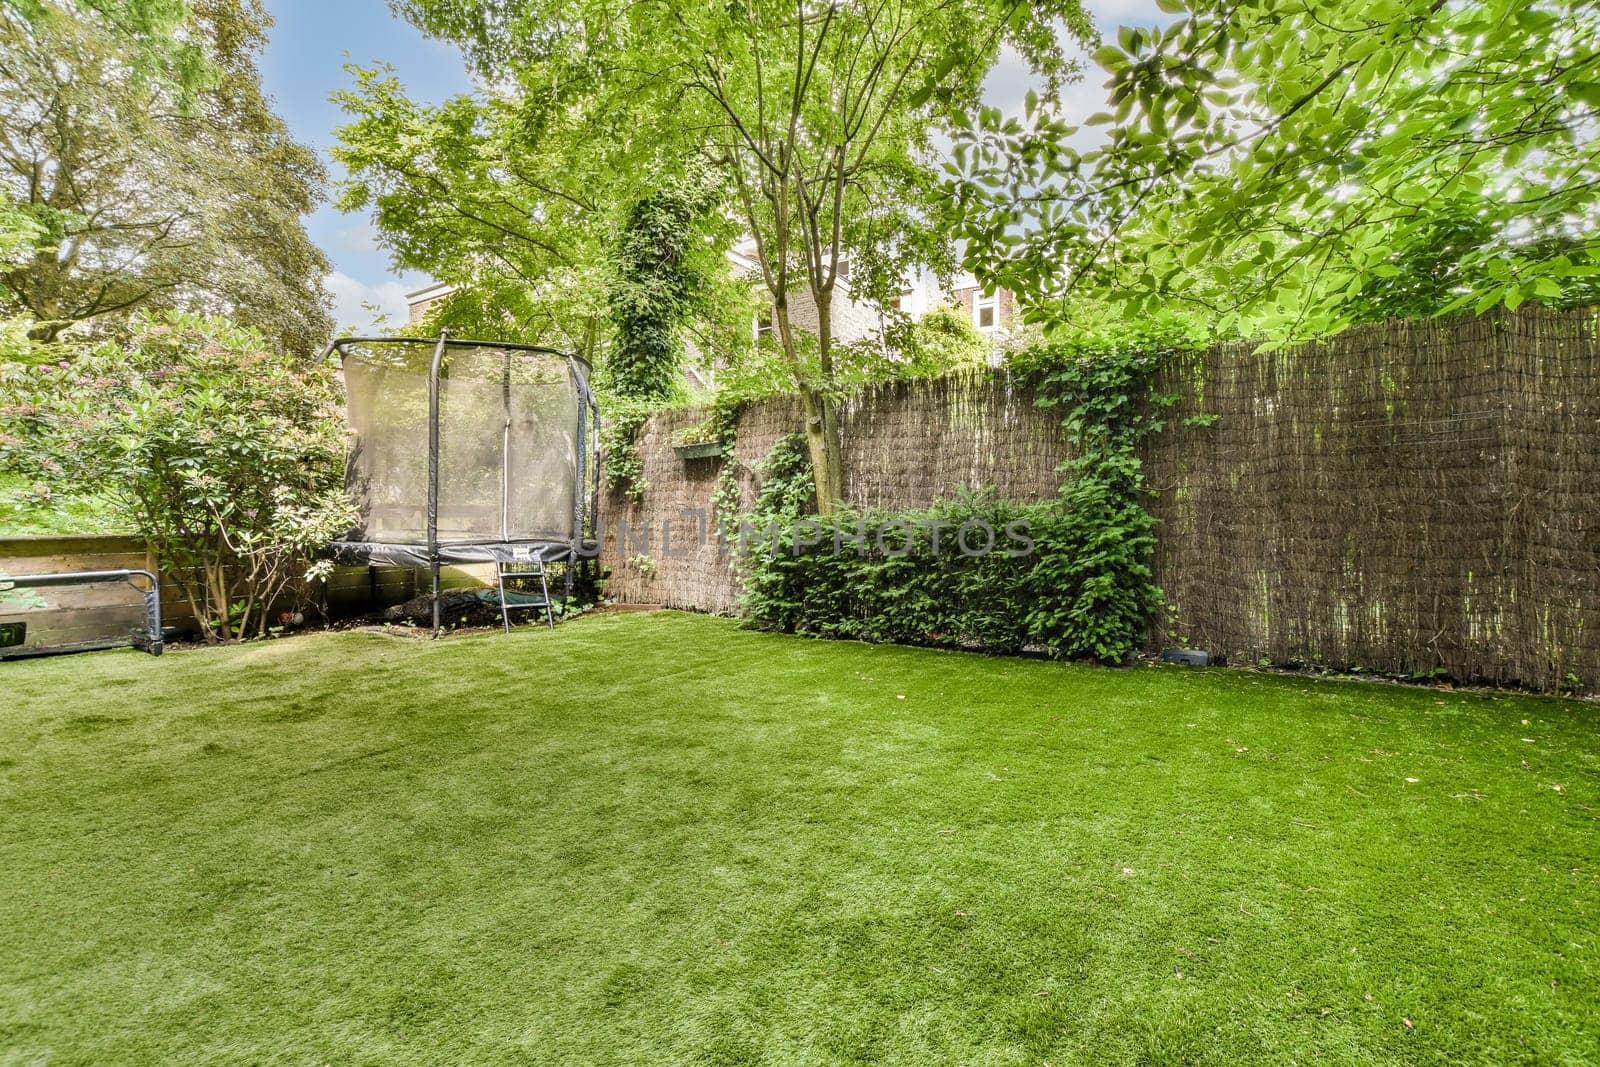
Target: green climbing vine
[
  {"x": 727, "y": 499},
  {"x": 619, "y": 430},
  {"x": 650, "y": 298},
  {"x": 1070, "y": 576},
  {"x": 655, "y": 282},
  {"x": 1108, "y": 407}
]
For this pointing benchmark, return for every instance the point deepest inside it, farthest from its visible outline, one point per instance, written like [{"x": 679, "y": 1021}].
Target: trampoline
[{"x": 469, "y": 452}]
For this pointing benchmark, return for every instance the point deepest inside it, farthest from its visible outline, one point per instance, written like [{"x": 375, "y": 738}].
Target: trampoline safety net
[{"x": 511, "y": 438}]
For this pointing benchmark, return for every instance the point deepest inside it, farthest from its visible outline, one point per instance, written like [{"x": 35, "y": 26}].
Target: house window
[
  {"x": 764, "y": 326},
  {"x": 986, "y": 311}
]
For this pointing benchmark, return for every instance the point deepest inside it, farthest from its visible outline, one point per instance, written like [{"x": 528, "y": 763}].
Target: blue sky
[
  {"x": 313, "y": 40},
  {"x": 304, "y": 62}
]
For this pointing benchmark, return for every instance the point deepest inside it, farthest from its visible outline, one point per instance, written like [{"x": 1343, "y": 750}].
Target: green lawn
[
  {"x": 662, "y": 839},
  {"x": 21, "y": 516}
]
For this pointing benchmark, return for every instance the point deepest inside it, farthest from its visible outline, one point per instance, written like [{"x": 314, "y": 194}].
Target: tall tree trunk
[
  {"x": 822, "y": 412},
  {"x": 822, "y": 441},
  {"x": 822, "y": 421}
]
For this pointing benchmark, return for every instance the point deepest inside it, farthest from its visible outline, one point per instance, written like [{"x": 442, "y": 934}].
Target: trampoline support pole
[
  {"x": 433, "y": 472},
  {"x": 435, "y": 598}
]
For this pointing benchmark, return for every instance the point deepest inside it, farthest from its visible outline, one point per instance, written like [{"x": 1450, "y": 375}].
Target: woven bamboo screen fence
[{"x": 1413, "y": 497}]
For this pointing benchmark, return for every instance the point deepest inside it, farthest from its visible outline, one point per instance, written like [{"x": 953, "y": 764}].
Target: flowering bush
[{"x": 227, "y": 458}]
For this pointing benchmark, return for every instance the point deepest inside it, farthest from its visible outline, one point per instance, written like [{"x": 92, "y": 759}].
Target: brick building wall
[
  {"x": 419, "y": 302},
  {"x": 853, "y": 320}
]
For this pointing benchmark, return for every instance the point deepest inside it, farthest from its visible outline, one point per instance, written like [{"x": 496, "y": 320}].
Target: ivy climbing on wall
[
  {"x": 1070, "y": 576},
  {"x": 651, "y": 296}
]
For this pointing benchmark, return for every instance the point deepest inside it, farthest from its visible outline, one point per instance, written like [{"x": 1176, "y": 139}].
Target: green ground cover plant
[{"x": 665, "y": 839}]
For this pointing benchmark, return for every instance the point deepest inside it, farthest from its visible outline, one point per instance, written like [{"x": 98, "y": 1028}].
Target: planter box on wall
[{"x": 703, "y": 450}]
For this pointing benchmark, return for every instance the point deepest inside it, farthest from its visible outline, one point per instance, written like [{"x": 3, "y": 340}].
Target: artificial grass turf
[{"x": 663, "y": 839}]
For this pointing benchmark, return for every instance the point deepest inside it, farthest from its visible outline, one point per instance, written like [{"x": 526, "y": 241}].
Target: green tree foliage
[
  {"x": 651, "y": 292},
  {"x": 162, "y": 52},
  {"x": 823, "y": 118},
  {"x": 19, "y": 235},
  {"x": 493, "y": 195},
  {"x": 521, "y": 199},
  {"x": 818, "y": 119},
  {"x": 226, "y": 457},
  {"x": 1289, "y": 167},
  {"x": 942, "y": 340},
  {"x": 148, "y": 178}
]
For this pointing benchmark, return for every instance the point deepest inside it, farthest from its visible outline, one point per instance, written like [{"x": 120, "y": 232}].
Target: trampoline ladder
[{"x": 535, "y": 569}]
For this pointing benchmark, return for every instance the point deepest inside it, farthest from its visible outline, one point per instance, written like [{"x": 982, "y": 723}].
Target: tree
[
  {"x": 942, "y": 340},
  {"x": 503, "y": 196},
  {"x": 226, "y": 458},
  {"x": 819, "y": 118},
  {"x": 153, "y": 182},
  {"x": 823, "y": 118},
  {"x": 162, "y": 52},
  {"x": 1292, "y": 166},
  {"x": 544, "y": 209}
]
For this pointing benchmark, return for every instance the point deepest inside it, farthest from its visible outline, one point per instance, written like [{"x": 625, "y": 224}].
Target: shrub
[
  {"x": 1069, "y": 577},
  {"x": 944, "y": 339},
  {"x": 228, "y": 459}
]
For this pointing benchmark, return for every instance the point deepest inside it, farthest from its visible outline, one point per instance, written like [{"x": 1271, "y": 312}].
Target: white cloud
[
  {"x": 362, "y": 237},
  {"x": 353, "y": 301}
]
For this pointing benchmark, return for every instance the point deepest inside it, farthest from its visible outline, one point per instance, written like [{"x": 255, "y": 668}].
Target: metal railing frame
[{"x": 151, "y": 641}]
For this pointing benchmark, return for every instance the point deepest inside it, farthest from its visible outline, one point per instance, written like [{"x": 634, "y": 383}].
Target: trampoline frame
[{"x": 432, "y": 554}]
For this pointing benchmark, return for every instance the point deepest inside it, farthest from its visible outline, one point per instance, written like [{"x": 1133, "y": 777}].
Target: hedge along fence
[
  {"x": 973, "y": 572},
  {"x": 1410, "y": 498}
]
